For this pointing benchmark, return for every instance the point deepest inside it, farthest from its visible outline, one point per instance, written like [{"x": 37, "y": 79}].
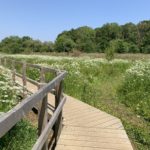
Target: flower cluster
[
  {"x": 135, "y": 90},
  {"x": 9, "y": 92}
]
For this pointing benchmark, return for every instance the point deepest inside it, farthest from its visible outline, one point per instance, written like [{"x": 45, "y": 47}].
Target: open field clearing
[{"x": 119, "y": 87}]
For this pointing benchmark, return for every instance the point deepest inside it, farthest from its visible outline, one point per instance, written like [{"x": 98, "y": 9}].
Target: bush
[
  {"x": 110, "y": 51},
  {"x": 64, "y": 44},
  {"x": 133, "y": 48},
  {"x": 120, "y": 46},
  {"x": 146, "y": 49},
  {"x": 135, "y": 91}
]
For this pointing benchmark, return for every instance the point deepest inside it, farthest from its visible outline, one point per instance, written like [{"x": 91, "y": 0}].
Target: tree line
[{"x": 127, "y": 38}]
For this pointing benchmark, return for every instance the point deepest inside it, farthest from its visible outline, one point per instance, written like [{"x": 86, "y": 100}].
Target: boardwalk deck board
[{"x": 87, "y": 128}]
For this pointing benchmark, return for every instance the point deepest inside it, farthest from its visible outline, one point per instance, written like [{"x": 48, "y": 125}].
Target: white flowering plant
[
  {"x": 85, "y": 74},
  {"x": 135, "y": 89},
  {"x": 9, "y": 92}
]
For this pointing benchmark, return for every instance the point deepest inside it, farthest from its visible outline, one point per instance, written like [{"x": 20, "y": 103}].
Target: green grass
[
  {"x": 21, "y": 137},
  {"x": 97, "y": 82}
]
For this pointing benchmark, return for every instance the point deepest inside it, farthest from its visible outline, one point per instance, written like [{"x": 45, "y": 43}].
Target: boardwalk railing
[{"x": 45, "y": 126}]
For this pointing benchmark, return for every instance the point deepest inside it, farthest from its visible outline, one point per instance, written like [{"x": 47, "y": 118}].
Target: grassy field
[
  {"x": 129, "y": 56},
  {"x": 119, "y": 87}
]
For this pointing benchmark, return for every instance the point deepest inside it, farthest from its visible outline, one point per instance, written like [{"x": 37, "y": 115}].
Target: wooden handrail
[
  {"x": 10, "y": 118},
  {"x": 19, "y": 111},
  {"x": 28, "y": 79},
  {"x": 43, "y": 137}
]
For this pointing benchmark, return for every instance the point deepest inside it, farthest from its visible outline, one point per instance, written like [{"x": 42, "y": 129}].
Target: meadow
[{"x": 120, "y": 87}]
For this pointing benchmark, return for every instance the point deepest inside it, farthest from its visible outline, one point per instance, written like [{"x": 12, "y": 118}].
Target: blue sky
[{"x": 45, "y": 19}]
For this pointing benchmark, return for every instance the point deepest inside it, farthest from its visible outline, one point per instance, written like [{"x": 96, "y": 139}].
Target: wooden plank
[
  {"x": 116, "y": 146},
  {"x": 95, "y": 139},
  {"x": 67, "y": 147}
]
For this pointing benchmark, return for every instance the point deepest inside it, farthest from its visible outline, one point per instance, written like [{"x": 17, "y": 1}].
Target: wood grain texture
[{"x": 88, "y": 128}]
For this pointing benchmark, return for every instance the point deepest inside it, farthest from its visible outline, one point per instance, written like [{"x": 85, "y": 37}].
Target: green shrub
[
  {"x": 135, "y": 89},
  {"x": 110, "y": 51},
  {"x": 133, "y": 48}
]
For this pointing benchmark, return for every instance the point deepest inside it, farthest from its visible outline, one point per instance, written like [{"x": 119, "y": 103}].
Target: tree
[
  {"x": 130, "y": 33},
  {"x": 85, "y": 39},
  {"x": 107, "y": 33},
  {"x": 11, "y": 44},
  {"x": 47, "y": 47},
  {"x": 64, "y": 44},
  {"x": 119, "y": 46},
  {"x": 144, "y": 31},
  {"x": 133, "y": 48}
]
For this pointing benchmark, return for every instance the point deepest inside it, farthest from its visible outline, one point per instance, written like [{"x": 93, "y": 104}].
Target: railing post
[
  {"x": 42, "y": 75},
  {"x": 0, "y": 61},
  {"x": 13, "y": 71},
  {"x": 24, "y": 81},
  {"x": 42, "y": 111},
  {"x": 42, "y": 118},
  {"x": 58, "y": 98},
  {"x": 5, "y": 62}
]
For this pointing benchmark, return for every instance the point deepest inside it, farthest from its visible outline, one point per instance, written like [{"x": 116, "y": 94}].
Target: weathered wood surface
[
  {"x": 20, "y": 110},
  {"x": 87, "y": 128},
  {"x": 44, "y": 135},
  {"x": 9, "y": 119}
]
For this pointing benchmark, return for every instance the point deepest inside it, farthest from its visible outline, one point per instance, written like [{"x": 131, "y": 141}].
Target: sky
[{"x": 45, "y": 19}]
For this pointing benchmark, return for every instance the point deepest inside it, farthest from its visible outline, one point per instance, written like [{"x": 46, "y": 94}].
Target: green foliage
[
  {"x": 11, "y": 44},
  {"x": 21, "y": 137},
  {"x": 15, "y": 44},
  {"x": 120, "y": 46},
  {"x": 130, "y": 33},
  {"x": 110, "y": 52},
  {"x": 129, "y": 37},
  {"x": 9, "y": 93},
  {"x": 97, "y": 82},
  {"x": 116, "y": 46},
  {"x": 86, "y": 39},
  {"x": 107, "y": 33},
  {"x": 133, "y": 48},
  {"x": 82, "y": 38},
  {"x": 64, "y": 44},
  {"x": 140, "y": 135},
  {"x": 134, "y": 91}
]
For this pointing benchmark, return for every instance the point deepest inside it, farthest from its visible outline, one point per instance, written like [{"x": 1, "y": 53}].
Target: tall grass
[{"x": 107, "y": 86}]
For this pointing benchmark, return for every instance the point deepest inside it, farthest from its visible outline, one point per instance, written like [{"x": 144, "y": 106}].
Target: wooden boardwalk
[{"x": 87, "y": 128}]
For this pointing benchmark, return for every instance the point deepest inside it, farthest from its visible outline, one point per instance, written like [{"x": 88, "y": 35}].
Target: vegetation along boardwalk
[
  {"x": 87, "y": 128},
  {"x": 84, "y": 127}
]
